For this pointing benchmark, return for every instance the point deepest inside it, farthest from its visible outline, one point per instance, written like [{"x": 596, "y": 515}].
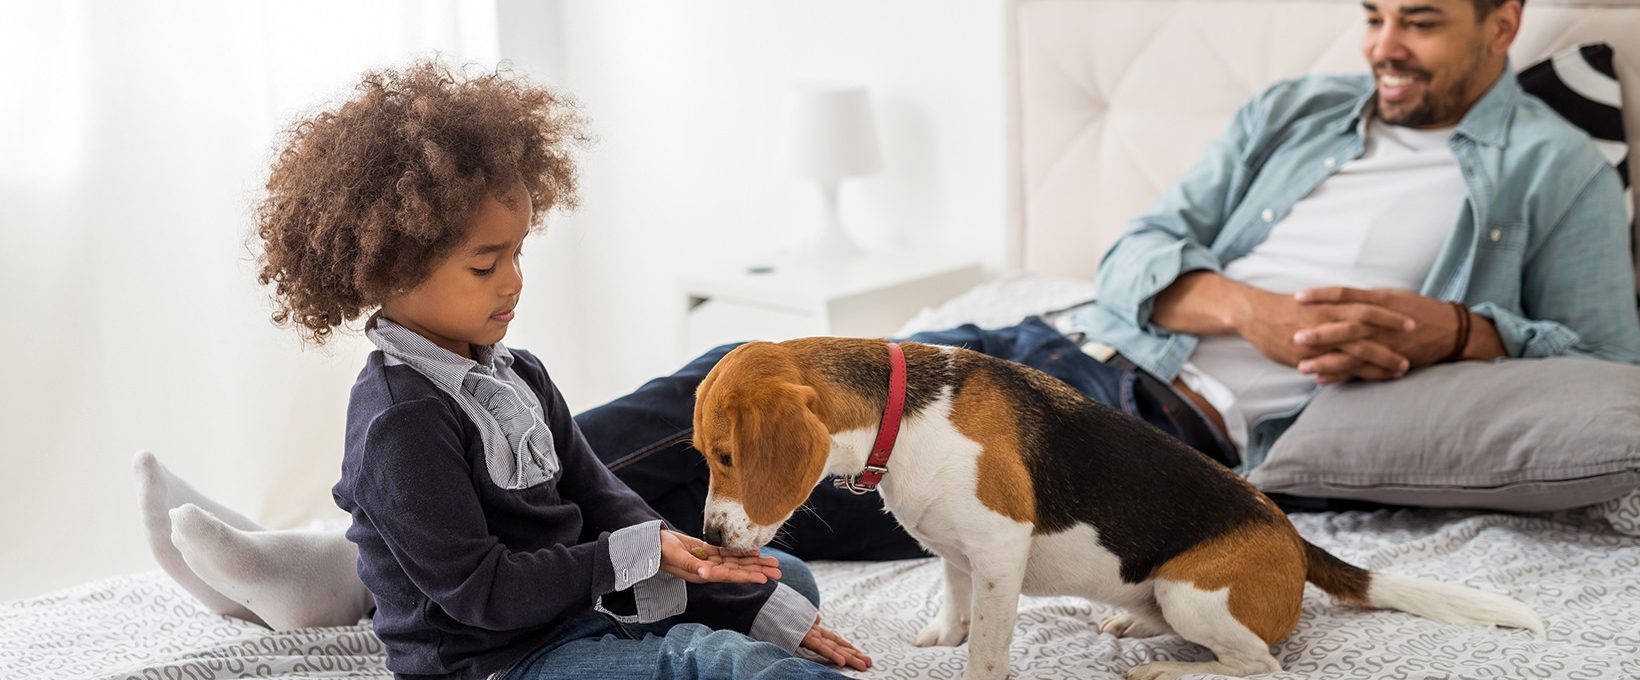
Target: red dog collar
[{"x": 887, "y": 431}]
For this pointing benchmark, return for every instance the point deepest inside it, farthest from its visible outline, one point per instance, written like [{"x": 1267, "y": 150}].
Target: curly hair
[{"x": 366, "y": 197}]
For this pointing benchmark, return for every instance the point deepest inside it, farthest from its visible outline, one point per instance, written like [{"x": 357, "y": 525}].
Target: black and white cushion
[{"x": 1580, "y": 83}]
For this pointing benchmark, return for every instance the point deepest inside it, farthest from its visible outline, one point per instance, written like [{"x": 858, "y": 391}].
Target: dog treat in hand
[{"x": 698, "y": 552}]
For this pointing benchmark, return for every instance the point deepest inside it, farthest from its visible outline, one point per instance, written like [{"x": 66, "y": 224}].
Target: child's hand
[
  {"x": 697, "y": 561},
  {"x": 834, "y": 648}
]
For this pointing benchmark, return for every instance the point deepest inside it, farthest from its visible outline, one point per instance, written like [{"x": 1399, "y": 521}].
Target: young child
[{"x": 494, "y": 542}]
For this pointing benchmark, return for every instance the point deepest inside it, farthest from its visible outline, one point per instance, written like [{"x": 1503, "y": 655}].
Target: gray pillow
[{"x": 1519, "y": 434}]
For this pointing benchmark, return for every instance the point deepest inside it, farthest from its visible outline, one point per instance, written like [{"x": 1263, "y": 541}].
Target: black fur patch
[
  {"x": 863, "y": 370},
  {"x": 1150, "y": 496}
]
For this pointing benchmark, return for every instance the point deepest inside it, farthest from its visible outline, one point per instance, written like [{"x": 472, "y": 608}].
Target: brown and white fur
[{"x": 1022, "y": 485}]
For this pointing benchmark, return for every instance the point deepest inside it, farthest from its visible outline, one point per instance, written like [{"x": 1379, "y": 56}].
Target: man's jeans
[
  {"x": 596, "y": 646},
  {"x": 644, "y": 438}
]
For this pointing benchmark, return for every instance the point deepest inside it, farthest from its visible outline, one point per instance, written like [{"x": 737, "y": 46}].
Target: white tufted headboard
[{"x": 1114, "y": 99}]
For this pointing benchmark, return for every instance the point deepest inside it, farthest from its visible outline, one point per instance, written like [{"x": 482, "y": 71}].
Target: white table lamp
[{"x": 829, "y": 135}]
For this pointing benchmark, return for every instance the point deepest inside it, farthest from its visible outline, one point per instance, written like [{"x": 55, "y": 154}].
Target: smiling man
[
  {"x": 1431, "y": 67},
  {"x": 1359, "y": 227}
]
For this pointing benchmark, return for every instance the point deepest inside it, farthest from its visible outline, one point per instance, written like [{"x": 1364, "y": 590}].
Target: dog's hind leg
[
  {"x": 1204, "y": 617},
  {"x": 998, "y": 572},
  {"x": 950, "y": 625},
  {"x": 1136, "y": 622}
]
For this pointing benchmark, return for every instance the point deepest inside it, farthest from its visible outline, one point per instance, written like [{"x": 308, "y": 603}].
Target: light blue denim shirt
[{"x": 1541, "y": 247}]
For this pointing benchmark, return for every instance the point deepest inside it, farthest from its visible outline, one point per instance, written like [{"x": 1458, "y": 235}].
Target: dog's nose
[{"x": 713, "y": 536}]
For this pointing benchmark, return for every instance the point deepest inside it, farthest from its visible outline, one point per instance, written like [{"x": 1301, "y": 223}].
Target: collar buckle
[{"x": 853, "y": 483}]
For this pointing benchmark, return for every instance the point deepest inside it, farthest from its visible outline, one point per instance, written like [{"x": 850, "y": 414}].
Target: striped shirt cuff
[
  {"x": 635, "y": 553},
  {"x": 784, "y": 619}
]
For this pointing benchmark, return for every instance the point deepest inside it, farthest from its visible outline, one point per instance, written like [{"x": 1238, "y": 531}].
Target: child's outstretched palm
[
  {"x": 834, "y": 648},
  {"x": 697, "y": 561}
]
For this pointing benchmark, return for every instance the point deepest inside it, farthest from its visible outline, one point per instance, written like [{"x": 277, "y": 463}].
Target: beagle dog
[{"x": 1024, "y": 486}]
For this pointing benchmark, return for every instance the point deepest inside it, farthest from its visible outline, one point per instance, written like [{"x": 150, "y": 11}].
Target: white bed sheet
[
  {"x": 1574, "y": 570},
  {"x": 1580, "y": 575},
  {"x": 145, "y": 626}
]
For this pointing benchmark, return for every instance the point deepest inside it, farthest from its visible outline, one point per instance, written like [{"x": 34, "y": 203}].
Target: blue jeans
[
  {"x": 644, "y": 439},
  {"x": 596, "y": 646}
]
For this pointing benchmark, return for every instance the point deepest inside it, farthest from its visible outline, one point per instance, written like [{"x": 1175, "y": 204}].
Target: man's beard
[
  {"x": 1429, "y": 109},
  {"x": 1436, "y": 105}
]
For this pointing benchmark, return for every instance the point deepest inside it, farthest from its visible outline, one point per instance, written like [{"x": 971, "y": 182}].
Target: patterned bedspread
[{"x": 1580, "y": 575}]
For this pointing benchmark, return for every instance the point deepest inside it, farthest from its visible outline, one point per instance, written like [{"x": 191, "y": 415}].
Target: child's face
[{"x": 469, "y": 298}]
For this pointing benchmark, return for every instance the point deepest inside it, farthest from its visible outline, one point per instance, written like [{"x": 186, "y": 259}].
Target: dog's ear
[{"x": 780, "y": 450}]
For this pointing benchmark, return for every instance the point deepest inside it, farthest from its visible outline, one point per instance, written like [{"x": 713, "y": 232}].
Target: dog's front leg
[
  {"x": 997, "y": 575},
  {"x": 950, "y": 625}
]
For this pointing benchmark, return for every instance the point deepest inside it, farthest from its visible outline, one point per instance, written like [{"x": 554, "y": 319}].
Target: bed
[
  {"x": 1572, "y": 567},
  {"x": 1575, "y": 571},
  {"x": 1109, "y": 100}
]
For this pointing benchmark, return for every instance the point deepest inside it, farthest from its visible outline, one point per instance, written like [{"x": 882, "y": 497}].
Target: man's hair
[
  {"x": 367, "y": 197},
  {"x": 1485, "y": 7}
]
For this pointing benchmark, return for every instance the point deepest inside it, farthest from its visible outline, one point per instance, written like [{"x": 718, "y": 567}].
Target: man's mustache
[{"x": 1399, "y": 69}]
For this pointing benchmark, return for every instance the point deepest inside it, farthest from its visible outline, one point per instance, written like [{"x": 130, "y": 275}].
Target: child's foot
[
  {"x": 290, "y": 578},
  {"x": 159, "y": 491}
]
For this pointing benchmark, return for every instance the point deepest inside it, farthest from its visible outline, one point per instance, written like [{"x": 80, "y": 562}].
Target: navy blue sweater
[{"x": 469, "y": 577}]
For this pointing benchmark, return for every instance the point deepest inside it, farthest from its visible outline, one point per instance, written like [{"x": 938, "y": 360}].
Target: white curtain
[{"x": 134, "y": 139}]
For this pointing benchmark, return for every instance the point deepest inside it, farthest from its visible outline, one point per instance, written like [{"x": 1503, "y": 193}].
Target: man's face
[{"x": 1433, "y": 59}]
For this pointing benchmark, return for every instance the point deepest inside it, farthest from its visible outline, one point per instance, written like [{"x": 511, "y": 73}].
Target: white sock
[
  {"x": 290, "y": 578},
  {"x": 159, "y": 492}
]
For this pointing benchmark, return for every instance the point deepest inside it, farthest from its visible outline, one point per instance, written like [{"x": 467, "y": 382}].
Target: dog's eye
[{"x": 723, "y": 458}]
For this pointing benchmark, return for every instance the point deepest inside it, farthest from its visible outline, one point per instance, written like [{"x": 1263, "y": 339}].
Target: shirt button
[
  {"x": 1330, "y": 162},
  {"x": 624, "y": 576},
  {"x": 1268, "y": 215},
  {"x": 1496, "y": 235}
]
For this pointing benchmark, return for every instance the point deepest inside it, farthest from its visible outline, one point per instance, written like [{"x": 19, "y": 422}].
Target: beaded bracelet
[{"x": 1463, "y": 332}]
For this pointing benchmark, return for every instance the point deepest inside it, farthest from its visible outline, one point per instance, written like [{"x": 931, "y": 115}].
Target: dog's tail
[{"x": 1350, "y": 584}]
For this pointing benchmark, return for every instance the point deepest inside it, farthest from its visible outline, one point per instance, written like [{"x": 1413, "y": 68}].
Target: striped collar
[
  {"x": 440, "y": 365},
  {"x": 519, "y": 448}
]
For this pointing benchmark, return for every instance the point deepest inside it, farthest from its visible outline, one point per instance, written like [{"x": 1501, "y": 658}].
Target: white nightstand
[{"x": 863, "y": 296}]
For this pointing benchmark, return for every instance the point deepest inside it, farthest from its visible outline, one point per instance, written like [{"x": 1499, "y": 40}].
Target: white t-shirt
[{"x": 1379, "y": 222}]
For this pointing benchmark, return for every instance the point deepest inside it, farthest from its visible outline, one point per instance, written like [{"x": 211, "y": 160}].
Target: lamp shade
[{"x": 829, "y": 134}]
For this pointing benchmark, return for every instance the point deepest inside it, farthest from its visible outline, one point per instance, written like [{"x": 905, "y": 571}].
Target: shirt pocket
[{"x": 1499, "y": 261}]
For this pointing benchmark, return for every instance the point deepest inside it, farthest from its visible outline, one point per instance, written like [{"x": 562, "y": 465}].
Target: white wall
[
  {"x": 135, "y": 136},
  {"x": 685, "y": 98},
  {"x": 132, "y": 317}
]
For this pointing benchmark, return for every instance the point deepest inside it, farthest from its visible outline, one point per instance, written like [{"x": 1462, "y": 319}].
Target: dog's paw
[
  {"x": 1126, "y": 624},
  {"x": 942, "y": 633}
]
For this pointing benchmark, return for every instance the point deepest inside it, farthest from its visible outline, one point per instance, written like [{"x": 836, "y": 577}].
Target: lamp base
[{"x": 833, "y": 242}]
